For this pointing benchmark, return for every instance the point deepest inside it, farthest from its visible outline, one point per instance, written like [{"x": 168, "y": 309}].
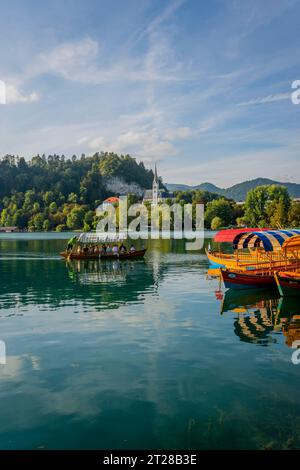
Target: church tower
[{"x": 155, "y": 188}]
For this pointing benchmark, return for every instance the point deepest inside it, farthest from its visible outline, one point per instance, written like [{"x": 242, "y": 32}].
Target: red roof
[
  {"x": 111, "y": 200},
  {"x": 230, "y": 234}
]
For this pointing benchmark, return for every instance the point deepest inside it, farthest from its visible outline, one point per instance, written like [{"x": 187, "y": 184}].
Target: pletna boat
[
  {"x": 251, "y": 247},
  {"x": 90, "y": 246},
  {"x": 100, "y": 255},
  {"x": 288, "y": 283},
  {"x": 263, "y": 277}
]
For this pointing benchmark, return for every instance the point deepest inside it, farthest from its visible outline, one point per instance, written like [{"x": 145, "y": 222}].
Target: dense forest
[
  {"x": 53, "y": 192},
  {"x": 56, "y": 193}
]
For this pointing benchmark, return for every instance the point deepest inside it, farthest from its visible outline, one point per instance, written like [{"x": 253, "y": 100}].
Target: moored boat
[
  {"x": 252, "y": 248},
  {"x": 266, "y": 276},
  {"x": 235, "y": 279},
  {"x": 288, "y": 283}
]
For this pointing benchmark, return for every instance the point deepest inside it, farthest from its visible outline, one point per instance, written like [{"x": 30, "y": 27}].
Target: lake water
[{"x": 143, "y": 354}]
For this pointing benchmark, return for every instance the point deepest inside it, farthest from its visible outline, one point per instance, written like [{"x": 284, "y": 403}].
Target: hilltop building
[
  {"x": 156, "y": 195},
  {"x": 110, "y": 201}
]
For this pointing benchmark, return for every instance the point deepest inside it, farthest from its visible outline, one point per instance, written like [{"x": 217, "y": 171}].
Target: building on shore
[
  {"x": 156, "y": 195},
  {"x": 9, "y": 229}
]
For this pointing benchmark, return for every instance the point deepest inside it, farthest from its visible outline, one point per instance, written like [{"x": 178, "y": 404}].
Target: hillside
[
  {"x": 56, "y": 193},
  {"x": 239, "y": 191}
]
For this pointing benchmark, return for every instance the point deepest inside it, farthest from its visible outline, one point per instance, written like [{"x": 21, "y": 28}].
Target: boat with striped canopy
[
  {"x": 273, "y": 242},
  {"x": 251, "y": 247},
  {"x": 288, "y": 282}
]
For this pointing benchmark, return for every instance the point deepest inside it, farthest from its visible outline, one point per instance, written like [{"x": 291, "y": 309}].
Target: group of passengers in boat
[{"x": 104, "y": 249}]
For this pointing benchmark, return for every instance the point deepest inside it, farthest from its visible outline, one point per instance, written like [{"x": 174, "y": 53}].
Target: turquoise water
[{"x": 140, "y": 355}]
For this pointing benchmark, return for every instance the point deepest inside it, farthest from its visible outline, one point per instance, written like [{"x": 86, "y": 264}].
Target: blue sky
[{"x": 200, "y": 87}]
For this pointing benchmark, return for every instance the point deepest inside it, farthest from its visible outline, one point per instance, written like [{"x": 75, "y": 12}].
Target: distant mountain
[{"x": 239, "y": 191}]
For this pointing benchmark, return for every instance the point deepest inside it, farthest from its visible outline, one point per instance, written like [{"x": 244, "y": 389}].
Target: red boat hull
[
  {"x": 245, "y": 280},
  {"x": 288, "y": 285}
]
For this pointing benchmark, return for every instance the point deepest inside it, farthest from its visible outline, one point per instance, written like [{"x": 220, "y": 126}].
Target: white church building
[{"x": 156, "y": 195}]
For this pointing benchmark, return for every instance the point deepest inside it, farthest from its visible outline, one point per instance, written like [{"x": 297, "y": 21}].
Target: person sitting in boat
[
  {"x": 115, "y": 249},
  {"x": 108, "y": 249},
  {"x": 123, "y": 248},
  {"x": 85, "y": 250},
  {"x": 104, "y": 248},
  {"x": 132, "y": 248}
]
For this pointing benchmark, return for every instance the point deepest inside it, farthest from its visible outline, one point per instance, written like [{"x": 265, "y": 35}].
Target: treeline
[
  {"x": 55, "y": 193},
  {"x": 265, "y": 206}
]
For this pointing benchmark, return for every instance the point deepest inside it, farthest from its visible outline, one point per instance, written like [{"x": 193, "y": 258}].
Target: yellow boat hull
[
  {"x": 243, "y": 261},
  {"x": 224, "y": 260}
]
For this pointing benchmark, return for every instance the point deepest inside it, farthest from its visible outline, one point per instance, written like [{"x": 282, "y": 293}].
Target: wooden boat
[
  {"x": 81, "y": 248},
  {"x": 235, "y": 279},
  {"x": 289, "y": 279},
  {"x": 255, "y": 278},
  {"x": 231, "y": 260},
  {"x": 288, "y": 283},
  {"x": 252, "y": 248},
  {"x": 218, "y": 258},
  {"x": 104, "y": 256}
]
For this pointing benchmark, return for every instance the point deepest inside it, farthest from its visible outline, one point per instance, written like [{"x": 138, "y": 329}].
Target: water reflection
[
  {"x": 260, "y": 315},
  {"x": 94, "y": 272},
  {"x": 53, "y": 283},
  {"x": 137, "y": 355}
]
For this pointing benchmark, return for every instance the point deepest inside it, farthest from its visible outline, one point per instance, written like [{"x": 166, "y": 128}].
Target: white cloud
[
  {"x": 162, "y": 17},
  {"x": 96, "y": 144},
  {"x": 15, "y": 95},
  {"x": 267, "y": 99},
  {"x": 69, "y": 60},
  {"x": 78, "y": 61},
  {"x": 82, "y": 140},
  {"x": 147, "y": 145},
  {"x": 179, "y": 133}
]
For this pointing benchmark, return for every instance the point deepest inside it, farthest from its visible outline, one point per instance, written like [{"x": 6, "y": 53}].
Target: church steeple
[
  {"x": 155, "y": 174},
  {"x": 155, "y": 188}
]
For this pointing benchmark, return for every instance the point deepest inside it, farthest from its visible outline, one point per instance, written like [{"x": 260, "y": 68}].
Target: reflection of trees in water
[
  {"x": 52, "y": 283},
  {"x": 261, "y": 314}
]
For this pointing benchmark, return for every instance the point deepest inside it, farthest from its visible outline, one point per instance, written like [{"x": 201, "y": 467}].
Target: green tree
[
  {"x": 46, "y": 225},
  {"x": 216, "y": 223},
  {"x": 36, "y": 223},
  {"x": 266, "y": 205},
  {"x": 73, "y": 198},
  {"x": 53, "y": 208},
  {"x": 294, "y": 215},
  {"x": 219, "y": 208},
  {"x": 20, "y": 219},
  {"x": 75, "y": 218}
]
